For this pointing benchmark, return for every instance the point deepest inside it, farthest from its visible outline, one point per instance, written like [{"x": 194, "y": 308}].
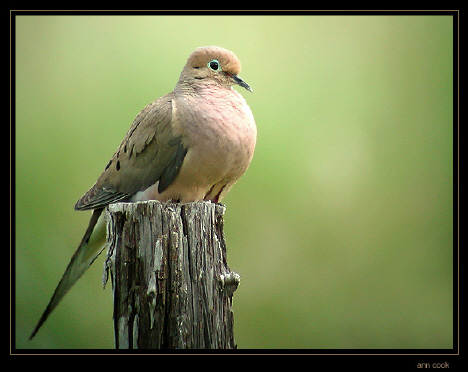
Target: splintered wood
[{"x": 171, "y": 282}]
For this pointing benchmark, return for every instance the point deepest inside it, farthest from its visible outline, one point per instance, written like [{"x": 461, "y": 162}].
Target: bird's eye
[{"x": 214, "y": 65}]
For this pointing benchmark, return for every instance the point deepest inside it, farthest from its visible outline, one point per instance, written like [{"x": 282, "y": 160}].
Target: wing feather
[{"x": 150, "y": 152}]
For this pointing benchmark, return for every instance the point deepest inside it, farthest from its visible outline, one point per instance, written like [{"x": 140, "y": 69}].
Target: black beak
[{"x": 241, "y": 83}]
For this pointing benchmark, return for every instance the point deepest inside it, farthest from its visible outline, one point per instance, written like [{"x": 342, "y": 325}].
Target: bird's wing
[{"x": 152, "y": 151}]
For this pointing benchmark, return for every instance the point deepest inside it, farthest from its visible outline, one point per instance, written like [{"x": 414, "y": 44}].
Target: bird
[{"x": 189, "y": 145}]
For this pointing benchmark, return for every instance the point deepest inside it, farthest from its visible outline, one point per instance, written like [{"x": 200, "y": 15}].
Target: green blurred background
[{"x": 342, "y": 228}]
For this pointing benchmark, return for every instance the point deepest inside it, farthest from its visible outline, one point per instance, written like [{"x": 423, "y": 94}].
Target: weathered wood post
[{"x": 171, "y": 282}]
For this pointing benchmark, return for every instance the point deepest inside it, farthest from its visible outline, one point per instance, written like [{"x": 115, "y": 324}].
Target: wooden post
[{"x": 171, "y": 283}]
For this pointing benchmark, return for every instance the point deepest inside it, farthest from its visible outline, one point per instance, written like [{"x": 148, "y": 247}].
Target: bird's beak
[{"x": 241, "y": 83}]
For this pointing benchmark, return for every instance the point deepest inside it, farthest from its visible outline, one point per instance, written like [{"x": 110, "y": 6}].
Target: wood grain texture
[{"x": 171, "y": 282}]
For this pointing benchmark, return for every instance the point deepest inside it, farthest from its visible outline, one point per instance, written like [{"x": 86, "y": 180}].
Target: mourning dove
[{"x": 189, "y": 145}]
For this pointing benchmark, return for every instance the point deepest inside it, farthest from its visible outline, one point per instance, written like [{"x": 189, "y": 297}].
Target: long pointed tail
[{"x": 91, "y": 246}]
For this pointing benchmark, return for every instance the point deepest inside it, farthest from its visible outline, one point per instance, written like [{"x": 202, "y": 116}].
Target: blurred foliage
[{"x": 342, "y": 228}]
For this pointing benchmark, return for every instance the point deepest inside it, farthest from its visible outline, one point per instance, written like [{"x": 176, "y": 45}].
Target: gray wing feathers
[{"x": 150, "y": 152}]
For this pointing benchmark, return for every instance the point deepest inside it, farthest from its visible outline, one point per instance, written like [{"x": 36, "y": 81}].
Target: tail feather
[{"x": 91, "y": 246}]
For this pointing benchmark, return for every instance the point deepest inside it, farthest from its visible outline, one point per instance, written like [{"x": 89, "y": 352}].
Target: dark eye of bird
[{"x": 214, "y": 65}]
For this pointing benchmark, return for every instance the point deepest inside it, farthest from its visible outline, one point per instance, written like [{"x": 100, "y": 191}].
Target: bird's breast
[{"x": 219, "y": 132}]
